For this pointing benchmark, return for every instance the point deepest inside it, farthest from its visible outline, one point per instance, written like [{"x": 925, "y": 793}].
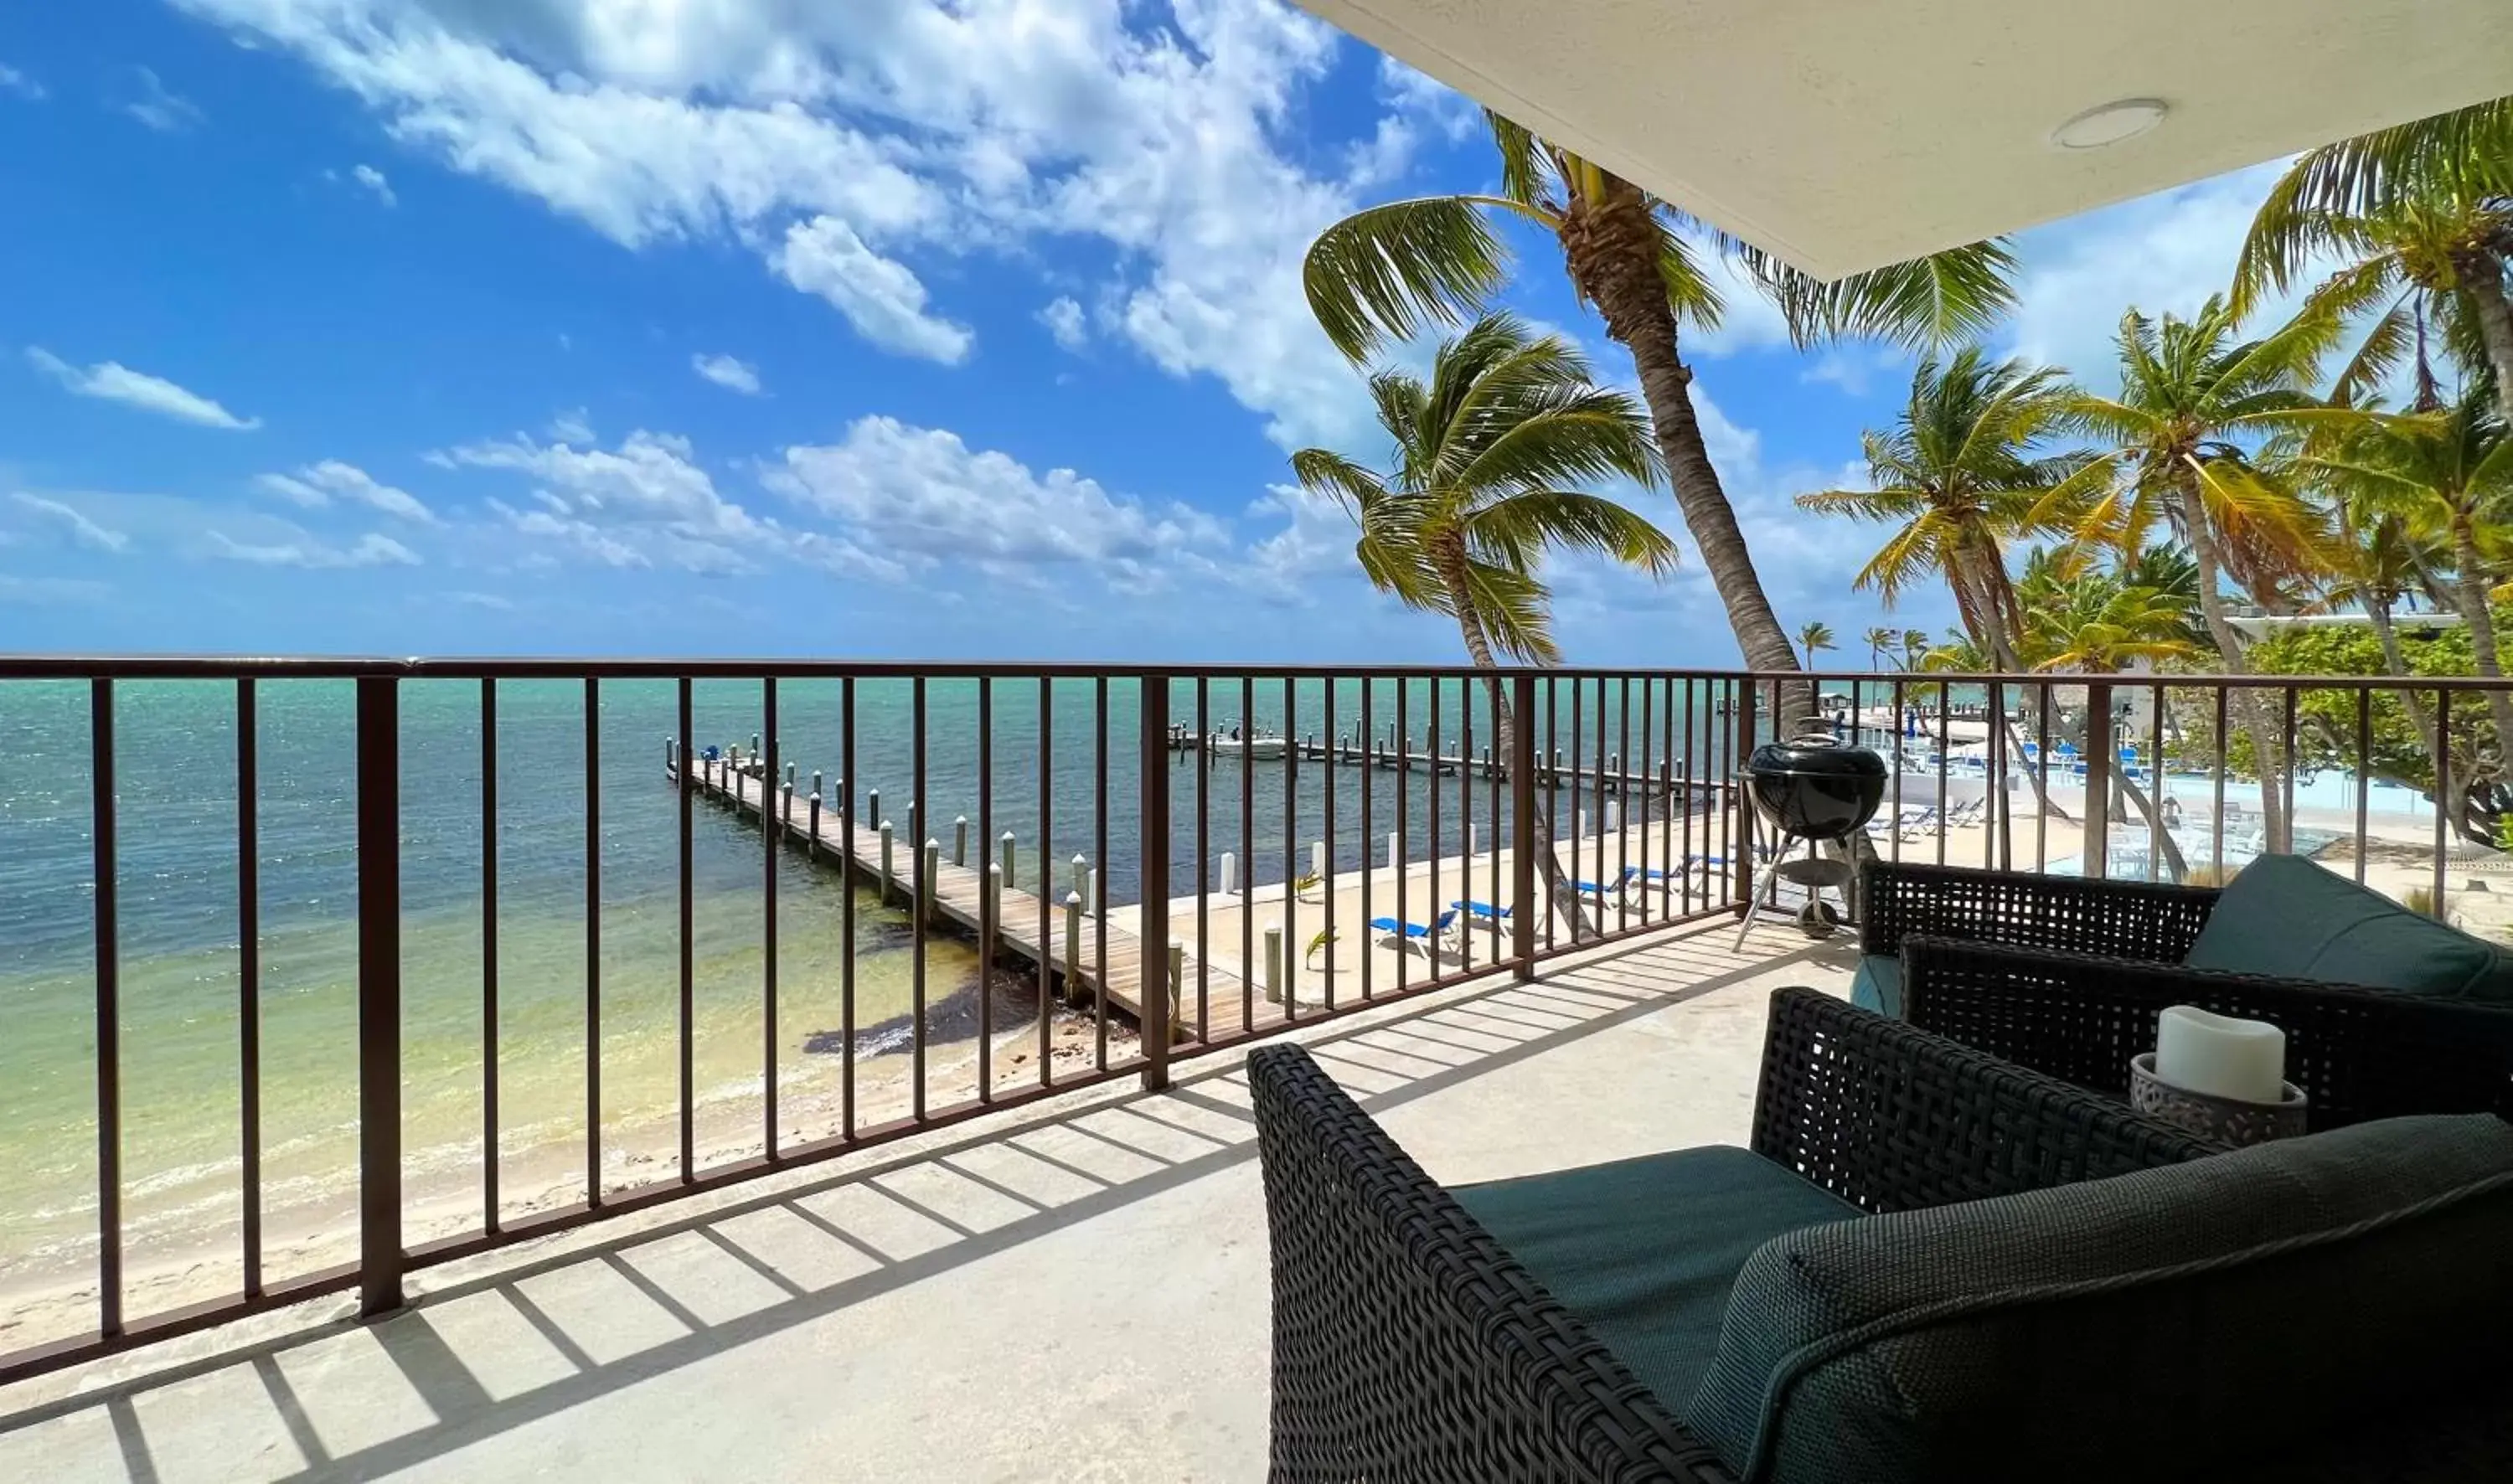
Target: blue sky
[{"x": 883, "y": 329}]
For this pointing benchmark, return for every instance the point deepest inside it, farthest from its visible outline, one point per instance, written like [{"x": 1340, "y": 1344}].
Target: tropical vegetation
[
  {"x": 2328, "y": 435},
  {"x": 1482, "y": 481}
]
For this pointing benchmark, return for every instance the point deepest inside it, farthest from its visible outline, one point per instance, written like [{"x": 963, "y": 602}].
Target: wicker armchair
[
  {"x": 1410, "y": 1345},
  {"x": 2066, "y": 976}
]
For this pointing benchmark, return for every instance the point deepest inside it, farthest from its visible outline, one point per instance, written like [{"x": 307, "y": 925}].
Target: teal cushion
[
  {"x": 1878, "y": 985},
  {"x": 2283, "y": 916},
  {"x": 1644, "y": 1251},
  {"x": 2283, "y": 1301}
]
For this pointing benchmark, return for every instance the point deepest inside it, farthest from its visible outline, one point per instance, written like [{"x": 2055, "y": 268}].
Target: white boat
[{"x": 1248, "y": 746}]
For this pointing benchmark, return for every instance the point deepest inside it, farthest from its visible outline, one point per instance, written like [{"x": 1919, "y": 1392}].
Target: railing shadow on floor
[{"x": 524, "y": 1336}]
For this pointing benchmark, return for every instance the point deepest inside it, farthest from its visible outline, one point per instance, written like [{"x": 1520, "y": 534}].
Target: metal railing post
[
  {"x": 1523, "y": 909},
  {"x": 1741, "y": 870},
  {"x": 378, "y": 831},
  {"x": 2101, "y": 757},
  {"x": 1153, "y": 928}
]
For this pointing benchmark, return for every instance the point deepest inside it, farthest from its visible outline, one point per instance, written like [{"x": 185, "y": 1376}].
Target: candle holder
[{"x": 2227, "y": 1120}]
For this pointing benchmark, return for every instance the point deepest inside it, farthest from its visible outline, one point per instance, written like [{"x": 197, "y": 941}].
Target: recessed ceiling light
[{"x": 2109, "y": 124}]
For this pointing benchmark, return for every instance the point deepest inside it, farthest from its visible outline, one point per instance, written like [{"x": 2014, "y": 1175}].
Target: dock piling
[
  {"x": 889, "y": 870},
  {"x": 1081, "y": 874},
  {"x": 1177, "y": 989},
  {"x": 1229, "y": 874},
  {"x": 1073, "y": 948},
  {"x": 1274, "y": 964},
  {"x": 960, "y": 841},
  {"x": 811, "y": 842},
  {"x": 925, "y": 873},
  {"x": 1011, "y": 858}
]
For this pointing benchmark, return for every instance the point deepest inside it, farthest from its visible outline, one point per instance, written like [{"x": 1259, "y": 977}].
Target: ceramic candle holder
[{"x": 2227, "y": 1120}]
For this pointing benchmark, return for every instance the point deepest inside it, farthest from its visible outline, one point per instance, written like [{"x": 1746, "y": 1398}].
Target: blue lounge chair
[
  {"x": 1630, "y": 875},
  {"x": 1483, "y": 912},
  {"x": 1407, "y": 934}
]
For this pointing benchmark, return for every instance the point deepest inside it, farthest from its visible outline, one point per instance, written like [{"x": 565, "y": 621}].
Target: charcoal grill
[{"x": 1813, "y": 790}]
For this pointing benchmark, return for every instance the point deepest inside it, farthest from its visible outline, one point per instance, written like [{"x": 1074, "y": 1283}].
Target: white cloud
[
  {"x": 881, "y": 297},
  {"x": 2162, "y": 253},
  {"x": 1422, "y": 95},
  {"x": 112, "y": 381},
  {"x": 489, "y": 600},
  {"x": 373, "y": 179},
  {"x": 1063, "y": 319},
  {"x": 1316, "y": 540},
  {"x": 318, "y": 485},
  {"x": 14, "y": 81},
  {"x": 158, "y": 108},
  {"x": 925, "y": 496},
  {"x": 84, "y": 531},
  {"x": 372, "y": 550},
  {"x": 853, "y": 147},
  {"x": 647, "y": 503},
  {"x": 575, "y": 426},
  {"x": 726, "y": 373}
]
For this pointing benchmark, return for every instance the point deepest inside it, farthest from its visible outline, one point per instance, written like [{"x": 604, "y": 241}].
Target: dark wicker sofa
[
  {"x": 2049, "y": 1287},
  {"x": 2066, "y": 975}
]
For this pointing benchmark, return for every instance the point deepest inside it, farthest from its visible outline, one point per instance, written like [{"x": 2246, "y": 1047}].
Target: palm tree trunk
[
  {"x": 2396, "y": 662},
  {"x": 1611, "y": 244},
  {"x": 1559, "y": 889},
  {"x": 2483, "y": 280},
  {"x": 2469, "y": 595},
  {"x": 2246, "y": 703}
]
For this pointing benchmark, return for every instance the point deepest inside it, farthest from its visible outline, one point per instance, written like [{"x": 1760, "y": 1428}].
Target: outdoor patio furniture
[
  {"x": 1932, "y": 1265},
  {"x": 1406, "y": 934},
  {"x": 2387, "y": 1012}
]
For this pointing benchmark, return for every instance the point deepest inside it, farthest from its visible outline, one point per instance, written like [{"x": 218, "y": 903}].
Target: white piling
[
  {"x": 1318, "y": 859},
  {"x": 960, "y": 841},
  {"x": 872, "y": 807},
  {"x": 812, "y": 840},
  {"x": 888, "y": 876},
  {"x": 1229, "y": 874},
  {"x": 1394, "y": 845},
  {"x": 1470, "y": 838},
  {"x": 1073, "y": 948},
  {"x": 1081, "y": 875},
  {"x": 1274, "y": 964},
  {"x": 991, "y": 918},
  {"x": 1177, "y": 988},
  {"x": 1011, "y": 859},
  {"x": 925, "y": 880},
  {"x": 1098, "y": 903}
]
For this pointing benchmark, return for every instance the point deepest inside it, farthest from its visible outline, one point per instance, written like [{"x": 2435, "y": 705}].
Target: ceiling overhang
[{"x": 1846, "y": 135}]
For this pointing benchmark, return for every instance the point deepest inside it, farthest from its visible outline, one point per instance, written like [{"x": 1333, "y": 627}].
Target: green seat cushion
[
  {"x": 2295, "y": 1301},
  {"x": 1644, "y": 1251},
  {"x": 1878, "y": 985},
  {"x": 2285, "y": 916}
]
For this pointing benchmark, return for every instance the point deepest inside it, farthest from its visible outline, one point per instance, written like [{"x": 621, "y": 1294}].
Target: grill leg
[{"x": 1766, "y": 894}]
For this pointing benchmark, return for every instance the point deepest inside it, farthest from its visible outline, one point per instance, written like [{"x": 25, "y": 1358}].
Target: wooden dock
[
  {"x": 958, "y": 895},
  {"x": 1389, "y": 757}
]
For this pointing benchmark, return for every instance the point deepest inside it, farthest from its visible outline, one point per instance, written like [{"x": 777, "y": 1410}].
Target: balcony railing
[{"x": 320, "y": 973}]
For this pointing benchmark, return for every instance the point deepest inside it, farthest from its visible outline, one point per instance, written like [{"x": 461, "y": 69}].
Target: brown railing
[{"x": 1139, "y": 865}]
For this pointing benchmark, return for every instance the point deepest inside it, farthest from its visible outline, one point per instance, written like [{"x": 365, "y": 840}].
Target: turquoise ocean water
[{"x": 180, "y": 1017}]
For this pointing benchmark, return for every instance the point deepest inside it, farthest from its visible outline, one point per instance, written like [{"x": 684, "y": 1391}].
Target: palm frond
[
  {"x": 1515, "y": 610},
  {"x": 1534, "y": 519},
  {"x": 1946, "y": 298},
  {"x": 1384, "y": 273}
]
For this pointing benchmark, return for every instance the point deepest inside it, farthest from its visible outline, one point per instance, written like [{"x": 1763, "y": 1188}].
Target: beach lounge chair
[
  {"x": 1601, "y": 891},
  {"x": 1406, "y": 934},
  {"x": 1918, "y": 823},
  {"x": 1497, "y": 918}
]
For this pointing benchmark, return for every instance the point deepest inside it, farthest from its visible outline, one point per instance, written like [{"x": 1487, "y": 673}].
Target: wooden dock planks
[{"x": 958, "y": 893}]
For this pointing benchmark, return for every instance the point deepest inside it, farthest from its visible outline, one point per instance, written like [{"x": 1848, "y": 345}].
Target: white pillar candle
[{"x": 2220, "y": 1056}]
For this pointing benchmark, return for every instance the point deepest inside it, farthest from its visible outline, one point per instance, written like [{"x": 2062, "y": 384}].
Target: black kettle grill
[{"x": 1813, "y": 789}]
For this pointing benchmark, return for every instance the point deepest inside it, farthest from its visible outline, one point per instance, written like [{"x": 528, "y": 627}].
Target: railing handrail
[{"x": 162, "y": 667}]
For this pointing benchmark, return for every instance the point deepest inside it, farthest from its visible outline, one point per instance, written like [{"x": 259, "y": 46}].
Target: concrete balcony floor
[{"x": 1076, "y": 1292}]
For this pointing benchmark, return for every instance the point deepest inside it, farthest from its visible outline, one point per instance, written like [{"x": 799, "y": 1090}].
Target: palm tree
[
  {"x": 1485, "y": 456},
  {"x": 1814, "y": 637},
  {"x": 1380, "y": 274},
  {"x": 1878, "y": 640},
  {"x": 1915, "y": 648},
  {"x": 2179, "y": 439},
  {"x": 1958, "y": 480},
  {"x": 2449, "y": 471},
  {"x": 2422, "y": 217}
]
